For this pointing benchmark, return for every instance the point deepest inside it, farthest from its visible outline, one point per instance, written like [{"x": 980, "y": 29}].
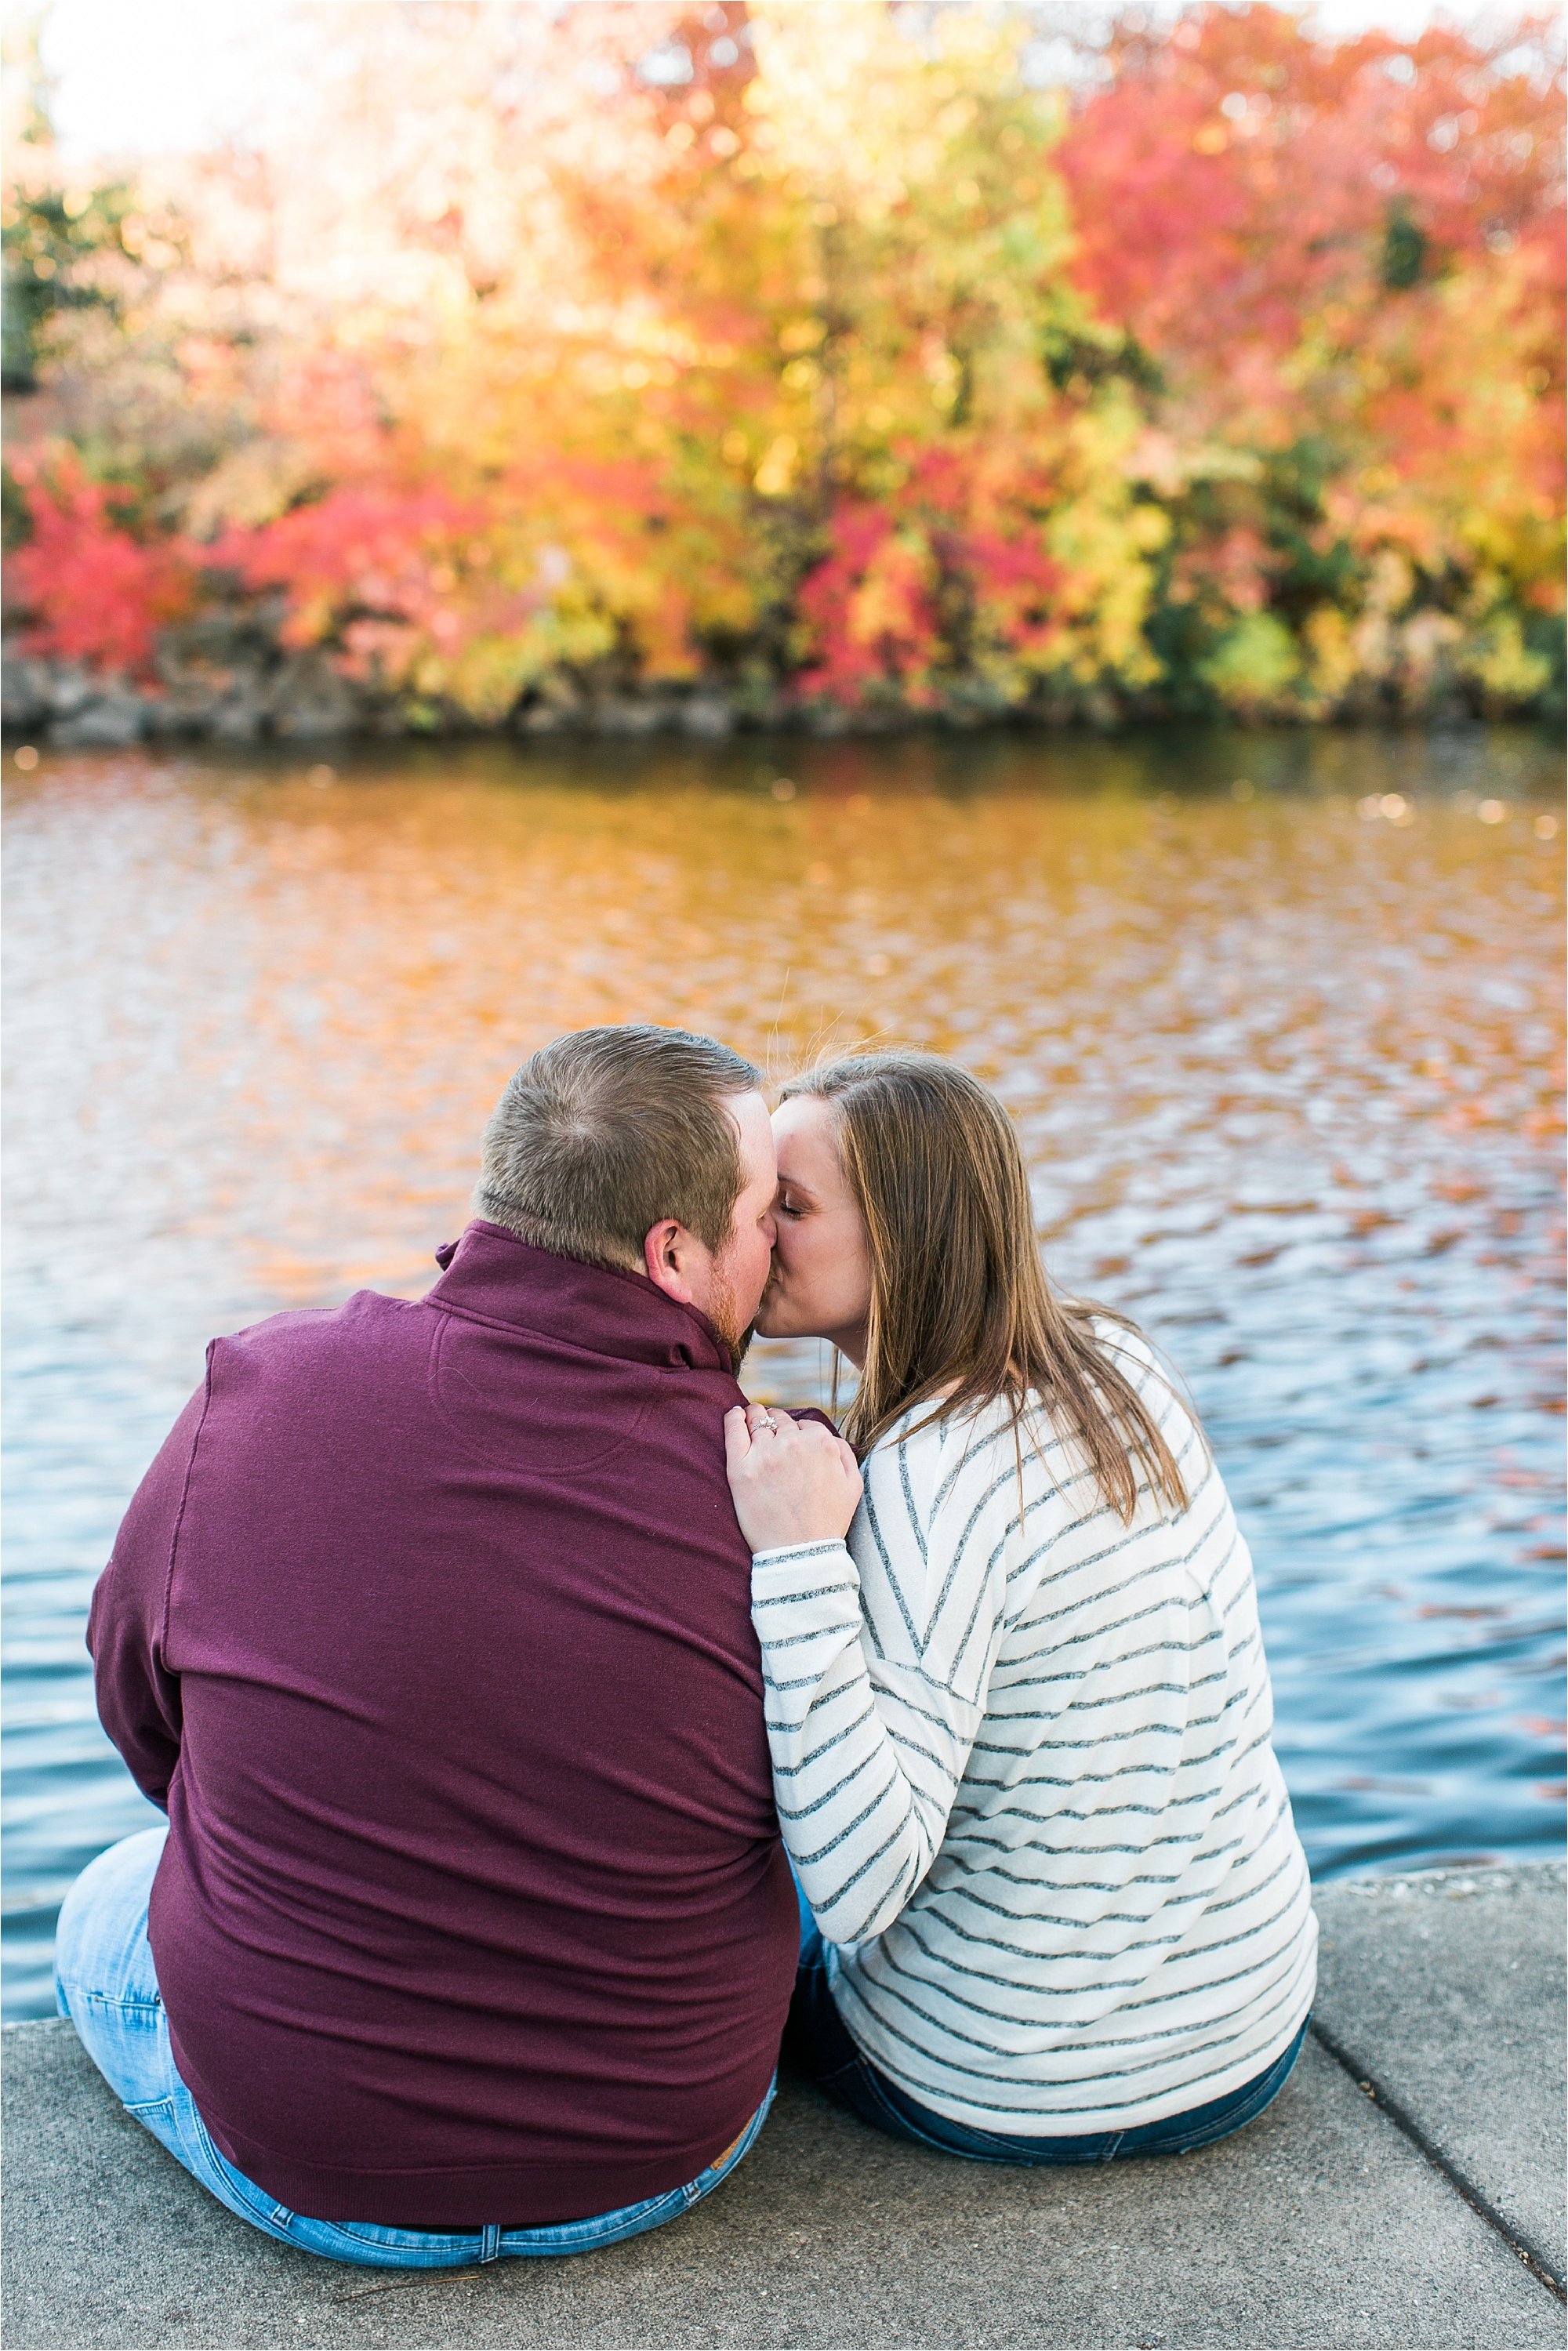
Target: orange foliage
[
  {"x": 359, "y": 550},
  {"x": 821, "y": 357},
  {"x": 907, "y": 585},
  {"x": 1237, "y": 176}
]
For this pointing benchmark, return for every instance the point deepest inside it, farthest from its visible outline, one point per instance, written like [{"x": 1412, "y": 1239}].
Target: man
[{"x": 472, "y": 1932}]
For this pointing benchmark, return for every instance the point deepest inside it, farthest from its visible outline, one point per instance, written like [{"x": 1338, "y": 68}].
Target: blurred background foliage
[{"x": 819, "y": 358}]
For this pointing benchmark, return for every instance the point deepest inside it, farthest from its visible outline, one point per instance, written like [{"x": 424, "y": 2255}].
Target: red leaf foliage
[
  {"x": 384, "y": 550},
  {"x": 960, "y": 537},
  {"x": 1236, "y": 173},
  {"x": 94, "y": 593}
]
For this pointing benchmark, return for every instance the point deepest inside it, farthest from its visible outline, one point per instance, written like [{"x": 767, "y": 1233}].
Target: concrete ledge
[
  {"x": 1321, "y": 2224},
  {"x": 1448, "y": 1991}
]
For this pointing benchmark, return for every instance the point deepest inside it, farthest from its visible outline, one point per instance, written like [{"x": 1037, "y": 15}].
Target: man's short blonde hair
[{"x": 608, "y": 1132}]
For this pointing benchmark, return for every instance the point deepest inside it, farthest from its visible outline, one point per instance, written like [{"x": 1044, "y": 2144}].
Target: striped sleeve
[
  {"x": 864, "y": 1772},
  {"x": 876, "y": 1655}
]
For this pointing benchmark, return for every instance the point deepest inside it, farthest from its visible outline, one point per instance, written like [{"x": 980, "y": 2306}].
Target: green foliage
[
  {"x": 1403, "y": 251},
  {"x": 814, "y": 355},
  {"x": 1254, "y": 664},
  {"x": 54, "y": 244},
  {"x": 1076, "y": 359}
]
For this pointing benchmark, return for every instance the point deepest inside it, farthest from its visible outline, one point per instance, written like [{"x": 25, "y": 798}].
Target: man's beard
[{"x": 721, "y": 1313}]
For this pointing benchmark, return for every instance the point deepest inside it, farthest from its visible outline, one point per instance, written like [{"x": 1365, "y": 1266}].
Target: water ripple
[{"x": 1286, "y": 1076}]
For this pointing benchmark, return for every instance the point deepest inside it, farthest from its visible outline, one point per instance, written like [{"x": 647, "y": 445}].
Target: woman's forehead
[{"x": 803, "y": 1133}]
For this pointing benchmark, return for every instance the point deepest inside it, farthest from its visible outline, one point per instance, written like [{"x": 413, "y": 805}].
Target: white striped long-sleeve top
[{"x": 1023, "y": 1766}]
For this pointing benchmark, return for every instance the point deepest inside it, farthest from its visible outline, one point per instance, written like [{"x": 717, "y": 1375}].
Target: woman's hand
[{"x": 793, "y": 1481}]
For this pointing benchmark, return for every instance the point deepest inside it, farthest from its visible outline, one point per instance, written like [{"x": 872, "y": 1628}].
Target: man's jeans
[
  {"x": 817, "y": 2042},
  {"x": 106, "y": 1983}
]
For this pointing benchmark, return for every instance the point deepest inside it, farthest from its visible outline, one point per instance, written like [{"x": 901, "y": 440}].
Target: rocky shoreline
[
  {"x": 226, "y": 676},
  {"x": 237, "y": 687}
]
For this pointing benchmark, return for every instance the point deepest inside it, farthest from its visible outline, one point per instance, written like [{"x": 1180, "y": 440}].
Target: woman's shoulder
[
  {"x": 965, "y": 1459},
  {"x": 1126, "y": 1345},
  {"x": 927, "y": 1431},
  {"x": 1150, "y": 1371}
]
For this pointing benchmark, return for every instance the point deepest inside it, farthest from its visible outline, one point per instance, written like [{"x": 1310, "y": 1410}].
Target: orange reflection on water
[{"x": 1288, "y": 1078}]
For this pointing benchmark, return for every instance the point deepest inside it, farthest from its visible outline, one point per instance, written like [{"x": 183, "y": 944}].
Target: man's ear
[{"x": 665, "y": 1251}]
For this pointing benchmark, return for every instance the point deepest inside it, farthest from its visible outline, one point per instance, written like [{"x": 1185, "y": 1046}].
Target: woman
[{"x": 1020, "y": 1721}]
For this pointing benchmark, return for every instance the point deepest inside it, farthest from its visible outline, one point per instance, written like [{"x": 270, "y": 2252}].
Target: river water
[{"x": 1278, "y": 1016}]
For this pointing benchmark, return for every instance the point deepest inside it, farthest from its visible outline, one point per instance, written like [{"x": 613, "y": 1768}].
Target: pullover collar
[{"x": 492, "y": 1276}]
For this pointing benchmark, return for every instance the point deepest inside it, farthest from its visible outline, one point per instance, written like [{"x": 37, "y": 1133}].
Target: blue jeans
[
  {"x": 104, "y": 1982},
  {"x": 818, "y": 2043}
]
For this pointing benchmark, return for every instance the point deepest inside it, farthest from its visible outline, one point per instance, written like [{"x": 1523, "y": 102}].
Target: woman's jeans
[
  {"x": 817, "y": 2042},
  {"x": 106, "y": 1983}
]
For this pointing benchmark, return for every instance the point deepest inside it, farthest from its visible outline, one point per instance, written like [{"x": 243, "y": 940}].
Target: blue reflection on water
[{"x": 1280, "y": 1075}]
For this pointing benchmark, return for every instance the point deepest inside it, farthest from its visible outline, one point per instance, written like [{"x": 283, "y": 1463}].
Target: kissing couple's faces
[
  {"x": 820, "y": 1283},
  {"x": 796, "y": 1264},
  {"x": 725, "y": 1284}
]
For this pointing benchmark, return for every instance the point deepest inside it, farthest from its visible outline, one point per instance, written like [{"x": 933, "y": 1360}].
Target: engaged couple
[{"x": 549, "y": 1737}]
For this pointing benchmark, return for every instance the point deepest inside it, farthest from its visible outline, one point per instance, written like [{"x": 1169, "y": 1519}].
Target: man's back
[{"x": 473, "y": 1910}]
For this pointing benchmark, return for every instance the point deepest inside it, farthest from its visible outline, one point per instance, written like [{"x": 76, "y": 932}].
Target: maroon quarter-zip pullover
[{"x": 430, "y": 1627}]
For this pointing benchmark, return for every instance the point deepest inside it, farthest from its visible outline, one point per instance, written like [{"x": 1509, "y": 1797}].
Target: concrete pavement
[
  {"x": 1446, "y": 1990},
  {"x": 1324, "y": 2223}
]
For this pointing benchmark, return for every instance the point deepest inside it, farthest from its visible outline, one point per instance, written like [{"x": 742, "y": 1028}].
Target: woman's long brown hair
[{"x": 961, "y": 1310}]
